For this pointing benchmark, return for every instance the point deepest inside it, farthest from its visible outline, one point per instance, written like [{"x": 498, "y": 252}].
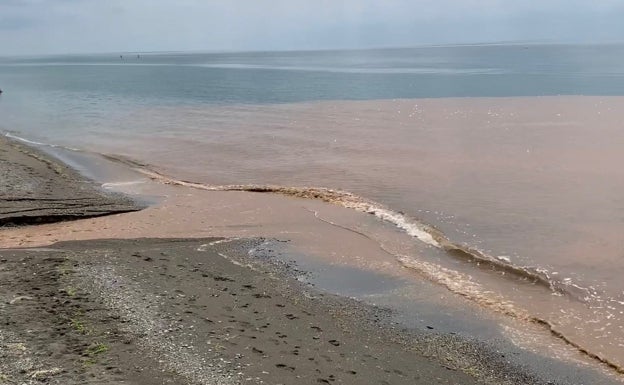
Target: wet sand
[
  {"x": 160, "y": 311},
  {"x": 34, "y": 188},
  {"x": 154, "y": 311},
  {"x": 186, "y": 311}
]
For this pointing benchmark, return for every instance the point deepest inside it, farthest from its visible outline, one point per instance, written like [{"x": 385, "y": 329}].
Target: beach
[
  {"x": 457, "y": 205},
  {"x": 78, "y": 309},
  {"x": 159, "y": 311}
]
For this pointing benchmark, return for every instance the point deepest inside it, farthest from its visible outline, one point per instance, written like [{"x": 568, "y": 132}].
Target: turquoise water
[
  {"x": 279, "y": 77},
  {"x": 68, "y": 93}
]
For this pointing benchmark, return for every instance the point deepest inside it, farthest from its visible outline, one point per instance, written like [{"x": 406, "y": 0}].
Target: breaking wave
[{"x": 421, "y": 231}]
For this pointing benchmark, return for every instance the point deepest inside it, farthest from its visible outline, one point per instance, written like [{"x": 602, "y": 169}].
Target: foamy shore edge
[{"x": 97, "y": 284}]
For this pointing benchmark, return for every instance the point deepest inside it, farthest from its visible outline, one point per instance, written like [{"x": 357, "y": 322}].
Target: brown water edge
[
  {"x": 532, "y": 180},
  {"x": 535, "y": 181},
  {"x": 521, "y": 294},
  {"x": 336, "y": 235}
]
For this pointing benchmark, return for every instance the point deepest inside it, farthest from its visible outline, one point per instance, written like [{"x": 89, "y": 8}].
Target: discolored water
[{"x": 512, "y": 196}]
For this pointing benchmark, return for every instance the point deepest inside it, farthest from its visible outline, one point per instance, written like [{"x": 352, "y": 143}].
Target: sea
[{"x": 503, "y": 163}]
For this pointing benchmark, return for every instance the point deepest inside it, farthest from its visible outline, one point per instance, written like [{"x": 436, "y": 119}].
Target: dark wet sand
[
  {"x": 37, "y": 189},
  {"x": 162, "y": 312}
]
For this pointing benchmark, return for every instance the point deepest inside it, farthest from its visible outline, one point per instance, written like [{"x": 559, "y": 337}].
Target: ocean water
[{"x": 503, "y": 162}]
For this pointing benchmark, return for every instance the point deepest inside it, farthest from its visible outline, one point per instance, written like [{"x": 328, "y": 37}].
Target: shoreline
[
  {"x": 164, "y": 306},
  {"x": 77, "y": 271},
  {"x": 36, "y": 189}
]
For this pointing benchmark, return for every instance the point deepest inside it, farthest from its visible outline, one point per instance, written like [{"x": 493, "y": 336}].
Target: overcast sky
[{"x": 74, "y": 26}]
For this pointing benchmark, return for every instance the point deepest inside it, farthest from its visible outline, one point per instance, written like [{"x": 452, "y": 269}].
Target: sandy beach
[
  {"x": 180, "y": 310},
  {"x": 171, "y": 311},
  {"x": 160, "y": 311}
]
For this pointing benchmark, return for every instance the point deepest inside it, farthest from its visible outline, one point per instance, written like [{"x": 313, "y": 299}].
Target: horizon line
[{"x": 372, "y": 48}]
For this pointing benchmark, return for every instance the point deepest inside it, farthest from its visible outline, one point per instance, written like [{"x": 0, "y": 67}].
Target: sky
[{"x": 90, "y": 26}]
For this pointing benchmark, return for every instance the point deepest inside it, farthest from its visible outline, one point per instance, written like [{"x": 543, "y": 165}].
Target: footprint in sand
[{"x": 283, "y": 366}]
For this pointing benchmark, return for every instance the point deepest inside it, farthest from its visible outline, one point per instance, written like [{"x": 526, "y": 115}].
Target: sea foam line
[
  {"x": 424, "y": 233},
  {"x": 340, "y": 198},
  {"x": 34, "y": 143},
  {"x": 454, "y": 281}
]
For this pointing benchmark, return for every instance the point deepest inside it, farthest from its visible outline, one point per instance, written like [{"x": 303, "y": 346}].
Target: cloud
[
  {"x": 17, "y": 23},
  {"x": 49, "y": 26}
]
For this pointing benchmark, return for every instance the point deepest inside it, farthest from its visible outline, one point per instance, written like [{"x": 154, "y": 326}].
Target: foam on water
[
  {"x": 32, "y": 142},
  {"x": 463, "y": 285},
  {"x": 112, "y": 185}
]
